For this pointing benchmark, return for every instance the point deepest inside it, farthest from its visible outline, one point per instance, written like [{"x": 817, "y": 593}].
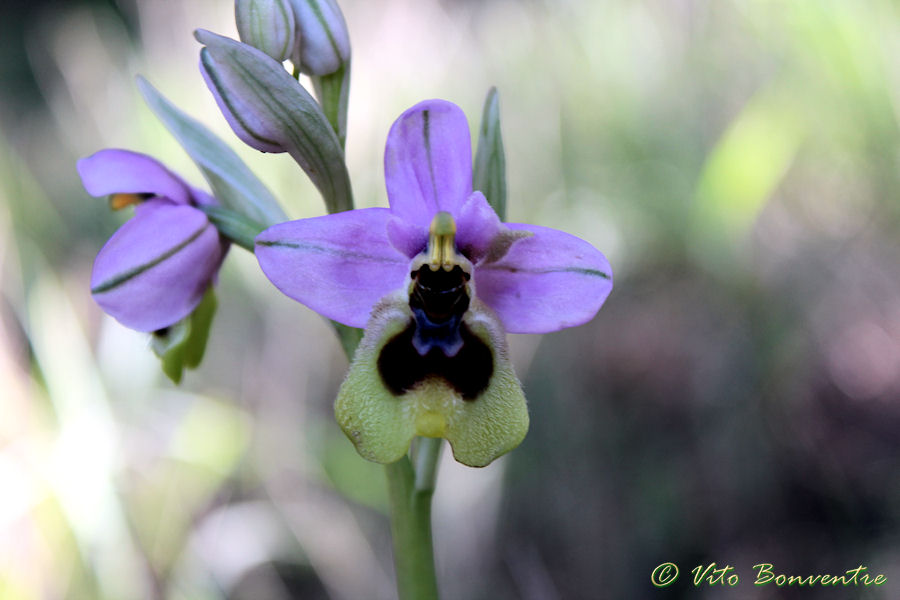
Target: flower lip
[{"x": 392, "y": 393}]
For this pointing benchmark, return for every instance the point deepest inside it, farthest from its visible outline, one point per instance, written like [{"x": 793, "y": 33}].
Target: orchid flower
[
  {"x": 155, "y": 269},
  {"x": 437, "y": 280}
]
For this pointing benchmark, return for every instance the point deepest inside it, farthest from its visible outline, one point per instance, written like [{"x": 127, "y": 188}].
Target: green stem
[
  {"x": 410, "y": 488},
  {"x": 333, "y": 92},
  {"x": 428, "y": 451},
  {"x": 411, "y": 491}
]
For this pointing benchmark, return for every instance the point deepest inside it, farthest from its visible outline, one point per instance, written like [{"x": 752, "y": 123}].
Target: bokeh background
[{"x": 737, "y": 399}]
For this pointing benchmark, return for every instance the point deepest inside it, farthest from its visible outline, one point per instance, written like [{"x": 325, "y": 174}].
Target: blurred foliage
[{"x": 736, "y": 401}]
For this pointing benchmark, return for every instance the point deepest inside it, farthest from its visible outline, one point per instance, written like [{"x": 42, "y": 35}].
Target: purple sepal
[
  {"x": 546, "y": 282},
  {"x": 115, "y": 171},
  {"x": 428, "y": 162},
  {"x": 339, "y": 265},
  {"x": 154, "y": 270}
]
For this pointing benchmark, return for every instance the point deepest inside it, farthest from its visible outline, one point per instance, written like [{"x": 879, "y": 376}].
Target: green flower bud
[
  {"x": 270, "y": 111},
  {"x": 267, "y": 25},
  {"x": 324, "y": 43}
]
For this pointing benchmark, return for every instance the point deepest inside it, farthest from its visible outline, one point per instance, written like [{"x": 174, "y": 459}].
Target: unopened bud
[
  {"x": 324, "y": 41},
  {"x": 270, "y": 111},
  {"x": 268, "y": 25}
]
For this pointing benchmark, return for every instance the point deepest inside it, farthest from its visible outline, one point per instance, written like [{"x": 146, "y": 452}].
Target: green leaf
[
  {"x": 489, "y": 175},
  {"x": 232, "y": 182},
  {"x": 270, "y": 111}
]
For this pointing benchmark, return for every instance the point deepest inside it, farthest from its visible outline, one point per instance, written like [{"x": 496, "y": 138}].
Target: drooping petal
[
  {"x": 339, "y": 265},
  {"x": 381, "y": 423},
  {"x": 155, "y": 269},
  {"x": 546, "y": 282},
  {"x": 114, "y": 171},
  {"x": 428, "y": 161}
]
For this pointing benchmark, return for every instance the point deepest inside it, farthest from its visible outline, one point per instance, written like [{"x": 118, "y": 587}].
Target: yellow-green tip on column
[{"x": 442, "y": 242}]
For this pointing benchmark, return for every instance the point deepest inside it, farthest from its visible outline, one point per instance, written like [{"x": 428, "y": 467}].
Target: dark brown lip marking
[
  {"x": 436, "y": 343},
  {"x": 468, "y": 372}
]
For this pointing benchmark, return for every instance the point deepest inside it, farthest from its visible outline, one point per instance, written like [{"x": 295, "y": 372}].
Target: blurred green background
[{"x": 737, "y": 400}]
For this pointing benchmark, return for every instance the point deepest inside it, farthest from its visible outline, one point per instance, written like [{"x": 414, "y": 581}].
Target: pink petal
[
  {"x": 476, "y": 226},
  {"x": 124, "y": 172},
  {"x": 154, "y": 270},
  {"x": 407, "y": 238},
  {"x": 338, "y": 265},
  {"x": 428, "y": 161},
  {"x": 546, "y": 282}
]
